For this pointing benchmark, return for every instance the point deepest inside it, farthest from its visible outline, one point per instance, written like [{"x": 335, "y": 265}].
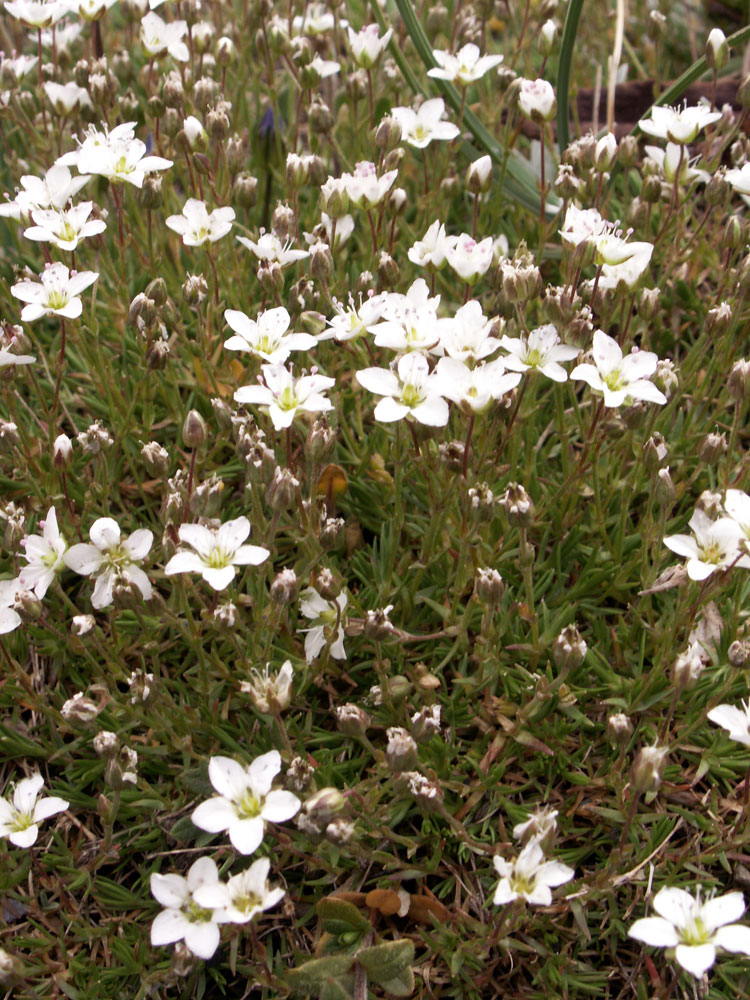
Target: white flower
[
  {"x": 364, "y": 187},
  {"x": 266, "y": 338},
  {"x": 91, "y": 10},
  {"x": 474, "y": 388},
  {"x": 65, "y": 98},
  {"x": 469, "y": 259},
  {"x": 467, "y": 66},
  {"x": 37, "y": 14},
  {"x": 466, "y": 337},
  {"x": 9, "y": 617},
  {"x": 353, "y": 322},
  {"x": 674, "y": 160},
  {"x": 367, "y": 45},
  {"x": 619, "y": 379},
  {"x": 197, "y": 225},
  {"x": 581, "y": 224},
  {"x": 183, "y": 918},
  {"x": 64, "y": 228},
  {"x": 54, "y": 190},
  {"x": 324, "y": 615},
  {"x": 111, "y": 559},
  {"x": 430, "y": 250},
  {"x": 270, "y": 248},
  {"x": 316, "y": 20},
  {"x": 529, "y": 877},
  {"x": 116, "y": 155},
  {"x": 695, "y": 928},
  {"x": 737, "y": 505},
  {"x": 680, "y": 125},
  {"x": 270, "y": 693},
  {"x": 419, "y": 128},
  {"x": 284, "y": 395},
  {"x": 735, "y": 720},
  {"x": 159, "y": 38},
  {"x": 55, "y": 294},
  {"x": 540, "y": 351},
  {"x": 410, "y": 391},
  {"x": 738, "y": 178},
  {"x": 540, "y": 826},
  {"x": 245, "y": 801},
  {"x": 713, "y": 545},
  {"x": 405, "y": 327},
  {"x": 19, "y": 820},
  {"x": 195, "y": 133},
  {"x": 627, "y": 273},
  {"x": 18, "y": 65},
  {"x": 242, "y": 897},
  {"x": 536, "y": 99},
  {"x": 216, "y": 552},
  {"x": 44, "y": 554}
]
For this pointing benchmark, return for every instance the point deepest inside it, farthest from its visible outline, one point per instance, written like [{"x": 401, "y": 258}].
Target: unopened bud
[
  {"x": 388, "y": 270},
  {"x": 717, "y": 50},
  {"x": 426, "y": 723},
  {"x": 106, "y": 744},
  {"x": 479, "y": 175},
  {"x": 82, "y": 624},
  {"x": 388, "y": 134},
  {"x": 646, "y": 772},
  {"x": 654, "y": 453},
  {"x": 320, "y": 443},
  {"x": 689, "y": 666},
  {"x": 378, "y": 625},
  {"x": 79, "y": 709},
  {"x": 332, "y": 534},
  {"x": 569, "y": 649},
  {"x": 284, "y": 587},
  {"x": 62, "y": 452},
  {"x": 323, "y": 806},
  {"x": 282, "y": 491},
  {"x": 352, "y": 720},
  {"x": 401, "y": 752},
  {"x": 738, "y": 653},
  {"x": 194, "y": 430},
  {"x": 518, "y": 506},
  {"x": 738, "y": 382},
  {"x": 712, "y": 448},
  {"x": 489, "y": 587},
  {"x": 327, "y": 585},
  {"x": 619, "y": 730}
]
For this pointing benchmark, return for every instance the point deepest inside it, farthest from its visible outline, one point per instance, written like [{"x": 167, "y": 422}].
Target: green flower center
[
  {"x": 56, "y": 299},
  {"x": 534, "y": 357},
  {"x": 249, "y": 806},
  {"x": 614, "y": 381},
  {"x": 411, "y": 395},
  {"x": 247, "y": 903},
  {"x": 197, "y": 914},
  {"x": 711, "y": 553},
  {"x": 287, "y": 399},
  {"x": 695, "y": 933}
]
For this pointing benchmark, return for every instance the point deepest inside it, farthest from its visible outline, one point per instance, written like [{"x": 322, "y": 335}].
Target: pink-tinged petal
[
  {"x": 138, "y": 545},
  {"x": 169, "y": 890},
  {"x": 247, "y": 835},
  {"x": 695, "y": 959},
  {"x": 218, "y": 579},
  {"x": 433, "y": 412},
  {"x": 280, "y": 806},
  {"x": 215, "y": 815},
  {"x": 228, "y": 777},
  {"x": 202, "y": 939},
  {"x": 202, "y": 872},
  {"x": 735, "y": 938},
  {"x": 49, "y": 807},
  {"x": 168, "y": 927},
  {"x": 102, "y": 596},
  {"x": 263, "y": 770},
  {"x": 24, "y": 838},
  {"x": 232, "y": 534},
  {"x": 723, "y": 910},
  {"x": 251, "y": 555},
  {"x": 682, "y": 545},
  {"x": 656, "y": 931},
  {"x": 184, "y": 562},
  {"x": 389, "y": 409}
]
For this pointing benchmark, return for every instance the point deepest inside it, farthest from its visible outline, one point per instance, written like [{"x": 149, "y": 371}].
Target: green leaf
[
  {"x": 340, "y": 917},
  {"x": 388, "y": 960},
  {"x": 567, "y": 47},
  {"x": 313, "y": 975},
  {"x": 401, "y": 985},
  {"x": 334, "y": 989}
]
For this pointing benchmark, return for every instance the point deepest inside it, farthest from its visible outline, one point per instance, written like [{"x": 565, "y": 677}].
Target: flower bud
[
  {"x": 605, "y": 152},
  {"x": 656, "y": 26},
  {"x": 326, "y": 584},
  {"x": 142, "y": 311},
  {"x": 426, "y": 723},
  {"x": 79, "y": 709},
  {"x": 654, "y": 453},
  {"x": 332, "y": 534},
  {"x": 299, "y": 774},
  {"x": 479, "y": 175},
  {"x": 569, "y": 649},
  {"x": 401, "y": 752},
  {"x": 717, "y": 50},
  {"x": 646, "y": 771},
  {"x": 284, "y": 587},
  {"x": 321, "y": 261},
  {"x": 738, "y": 382},
  {"x": 340, "y": 831},
  {"x": 710, "y": 503},
  {"x": 619, "y": 730},
  {"x": 352, "y": 720},
  {"x": 733, "y": 236},
  {"x": 518, "y": 506},
  {"x": 246, "y": 190},
  {"x": 388, "y": 270},
  {"x": 271, "y": 278},
  {"x": 489, "y": 587},
  {"x": 541, "y": 826},
  {"x": 665, "y": 488},
  {"x": 62, "y": 452},
  {"x": 547, "y": 37},
  {"x": 323, "y": 806},
  {"x": 195, "y": 289},
  {"x": 378, "y": 626},
  {"x": 282, "y": 491},
  {"x": 12, "y": 970},
  {"x": 27, "y": 605},
  {"x": 397, "y": 201},
  {"x": 82, "y": 624},
  {"x": 388, "y": 134},
  {"x": 738, "y": 653},
  {"x": 226, "y": 53},
  {"x": 106, "y": 744},
  {"x": 319, "y": 117},
  {"x": 194, "y": 430},
  {"x": 688, "y": 666},
  {"x": 712, "y": 447},
  {"x": 427, "y": 794},
  {"x": 321, "y": 440}
]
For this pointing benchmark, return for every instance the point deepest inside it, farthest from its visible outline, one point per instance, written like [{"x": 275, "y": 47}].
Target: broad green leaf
[
  {"x": 387, "y": 960},
  {"x": 314, "y": 974},
  {"x": 340, "y": 917}
]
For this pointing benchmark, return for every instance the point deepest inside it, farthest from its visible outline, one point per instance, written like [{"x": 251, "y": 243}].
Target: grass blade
[{"x": 567, "y": 46}]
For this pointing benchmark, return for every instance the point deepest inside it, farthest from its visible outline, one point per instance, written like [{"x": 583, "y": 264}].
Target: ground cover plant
[{"x": 374, "y": 499}]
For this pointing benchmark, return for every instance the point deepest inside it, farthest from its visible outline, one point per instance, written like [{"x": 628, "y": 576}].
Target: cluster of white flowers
[{"x": 716, "y": 543}]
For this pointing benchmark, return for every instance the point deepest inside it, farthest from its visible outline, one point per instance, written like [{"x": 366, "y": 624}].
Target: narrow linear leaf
[{"x": 567, "y": 47}]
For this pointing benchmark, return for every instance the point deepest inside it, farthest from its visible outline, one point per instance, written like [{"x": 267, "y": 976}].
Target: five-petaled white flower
[
  {"x": 367, "y": 45},
  {"x": 270, "y": 692},
  {"x": 184, "y": 919},
  {"x": 245, "y": 801},
  {"x": 469, "y": 259},
  {"x": 160, "y": 38},
  {"x": 713, "y": 545},
  {"x": 419, "y": 128},
  {"x": 54, "y": 190},
  {"x": 680, "y": 125},
  {"x": 242, "y": 897},
  {"x": 37, "y": 14},
  {"x": 64, "y": 227},
  {"x": 266, "y": 337},
  {"x": 216, "y": 553},
  {"x": 540, "y": 350},
  {"x": 56, "y": 293},
  {"x": 270, "y": 248},
  {"x": 430, "y": 250},
  {"x": 735, "y": 720},
  {"x": 474, "y": 389},
  {"x": 409, "y": 391},
  {"x": 463, "y": 68},
  {"x": 284, "y": 395},
  {"x": 197, "y": 225},
  {"x": 327, "y": 627},
  {"x": 620, "y": 380},
  {"x": 116, "y": 155},
  {"x": 695, "y": 928},
  {"x": 529, "y": 877},
  {"x": 20, "y": 819},
  {"x": 111, "y": 559},
  {"x": 44, "y": 555},
  {"x": 364, "y": 187}
]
